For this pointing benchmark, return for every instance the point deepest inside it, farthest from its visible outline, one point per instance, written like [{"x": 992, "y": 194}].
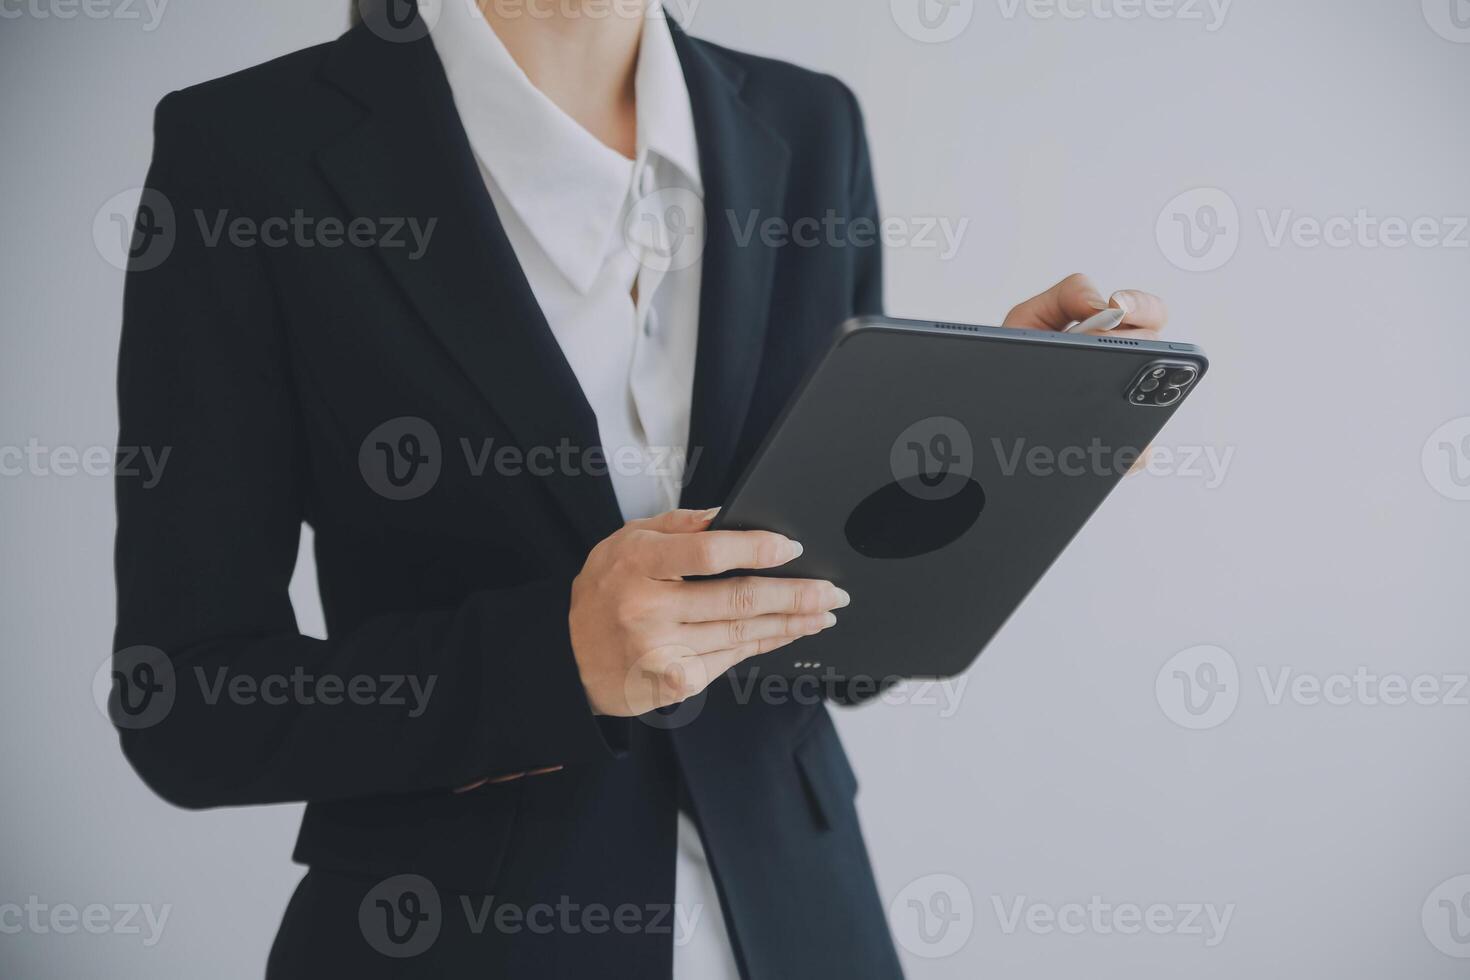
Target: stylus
[{"x": 1106, "y": 320}]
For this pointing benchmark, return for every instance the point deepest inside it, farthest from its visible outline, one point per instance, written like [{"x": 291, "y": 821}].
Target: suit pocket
[
  {"x": 825, "y": 773},
  {"x": 457, "y": 841}
]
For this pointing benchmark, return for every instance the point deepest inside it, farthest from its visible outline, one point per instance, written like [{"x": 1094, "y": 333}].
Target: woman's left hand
[{"x": 1076, "y": 298}]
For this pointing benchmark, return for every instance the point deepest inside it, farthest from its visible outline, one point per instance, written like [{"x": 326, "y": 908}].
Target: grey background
[{"x": 1061, "y": 775}]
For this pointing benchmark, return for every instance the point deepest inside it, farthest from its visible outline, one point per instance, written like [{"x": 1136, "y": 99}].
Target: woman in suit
[{"x": 473, "y": 293}]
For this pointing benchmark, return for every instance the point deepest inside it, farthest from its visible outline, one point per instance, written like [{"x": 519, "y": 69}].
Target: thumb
[{"x": 1074, "y": 298}]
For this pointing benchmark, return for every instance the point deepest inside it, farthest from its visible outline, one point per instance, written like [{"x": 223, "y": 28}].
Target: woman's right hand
[{"x": 644, "y": 638}]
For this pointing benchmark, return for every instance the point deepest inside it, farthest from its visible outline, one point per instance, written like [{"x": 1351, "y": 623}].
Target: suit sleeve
[
  {"x": 867, "y": 295},
  {"x": 219, "y": 699}
]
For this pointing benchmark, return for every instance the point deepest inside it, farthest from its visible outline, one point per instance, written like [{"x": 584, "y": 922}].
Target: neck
[{"x": 582, "y": 56}]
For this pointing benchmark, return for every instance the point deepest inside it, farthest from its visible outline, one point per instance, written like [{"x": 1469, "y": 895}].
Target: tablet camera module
[{"x": 1162, "y": 383}]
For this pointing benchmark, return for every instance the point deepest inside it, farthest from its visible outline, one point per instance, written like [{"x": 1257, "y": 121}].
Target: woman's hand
[
  {"x": 644, "y": 638},
  {"x": 1076, "y": 298}
]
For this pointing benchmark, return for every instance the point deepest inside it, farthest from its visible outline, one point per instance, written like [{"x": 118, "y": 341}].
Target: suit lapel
[
  {"x": 743, "y": 165},
  {"x": 409, "y": 157}
]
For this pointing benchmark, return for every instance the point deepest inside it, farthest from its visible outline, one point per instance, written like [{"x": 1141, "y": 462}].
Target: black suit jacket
[{"x": 283, "y": 375}]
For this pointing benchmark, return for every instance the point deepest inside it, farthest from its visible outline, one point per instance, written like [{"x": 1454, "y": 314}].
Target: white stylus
[{"x": 1106, "y": 320}]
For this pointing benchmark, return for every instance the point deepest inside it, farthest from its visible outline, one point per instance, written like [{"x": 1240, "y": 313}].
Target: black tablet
[{"x": 936, "y": 470}]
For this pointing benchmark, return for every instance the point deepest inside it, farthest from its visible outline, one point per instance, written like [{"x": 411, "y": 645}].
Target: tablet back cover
[{"x": 935, "y": 472}]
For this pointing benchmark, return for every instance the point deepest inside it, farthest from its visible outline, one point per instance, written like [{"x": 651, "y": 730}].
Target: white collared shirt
[
  {"x": 577, "y": 214},
  {"x": 586, "y": 224}
]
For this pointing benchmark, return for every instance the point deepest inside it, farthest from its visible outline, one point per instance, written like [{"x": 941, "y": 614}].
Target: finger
[
  {"x": 677, "y": 521},
  {"x": 1141, "y": 463},
  {"x": 750, "y": 596},
  {"x": 713, "y": 552},
  {"x": 1074, "y": 298},
  {"x": 1141, "y": 309},
  {"x": 720, "y": 661},
  {"x": 726, "y": 633}
]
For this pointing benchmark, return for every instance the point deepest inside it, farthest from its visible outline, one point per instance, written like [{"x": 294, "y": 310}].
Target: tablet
[{"x": 936, "y": 470}]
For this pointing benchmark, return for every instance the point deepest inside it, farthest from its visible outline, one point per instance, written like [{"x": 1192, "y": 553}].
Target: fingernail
[
  {"x": 1097, "y": 304},
  {"x": 796, "y": 549},
  {"x": 1117, "y": 300},
  {"x": 828, "y": 619},
  {"x": 709, "y": 515},
  {"x": 842, "y": 597}
]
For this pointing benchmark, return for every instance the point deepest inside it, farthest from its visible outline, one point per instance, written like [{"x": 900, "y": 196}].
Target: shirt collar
[
  {"x": 665, "y": 117},
  {"x": 568, "y": 188}
]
